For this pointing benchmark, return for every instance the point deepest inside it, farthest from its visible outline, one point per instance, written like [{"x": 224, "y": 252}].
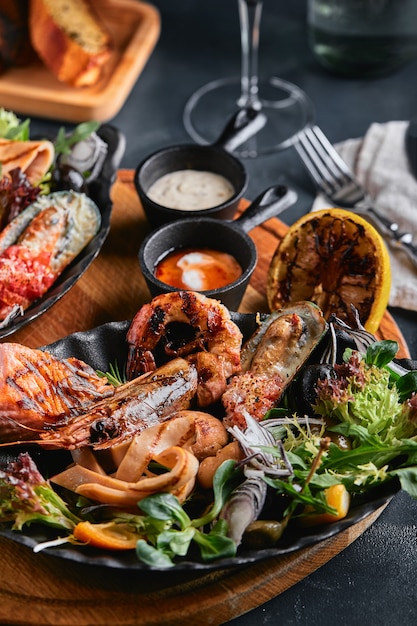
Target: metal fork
[{"x": 334, "y": 180}]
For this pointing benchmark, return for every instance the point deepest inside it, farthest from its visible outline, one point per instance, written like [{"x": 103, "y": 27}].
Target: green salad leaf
[
  {"x": 180, "y": 531},
  {"x": 362, "y": 392},
  {"x": 26, "y": 497},
  {"x": 372, "y": 403},
  {"x": 11, "y": 127}
]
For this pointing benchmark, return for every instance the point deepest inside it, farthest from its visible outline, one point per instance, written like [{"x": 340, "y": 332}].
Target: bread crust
[{"x": 69, "y": 61}]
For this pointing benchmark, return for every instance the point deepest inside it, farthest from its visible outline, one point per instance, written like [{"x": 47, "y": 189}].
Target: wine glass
[{"x": 287, "y": 108}]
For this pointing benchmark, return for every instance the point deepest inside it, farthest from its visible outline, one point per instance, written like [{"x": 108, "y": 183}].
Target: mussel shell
[
  {"x": 87, "y": 156},
  {"x": 66, "y": 177},
  {"x": 82, "y": 222},
  {"x": 284, "y": 353}
]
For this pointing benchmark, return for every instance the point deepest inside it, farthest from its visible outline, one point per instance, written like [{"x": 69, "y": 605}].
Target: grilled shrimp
[
  {"x": 65, "y": 404},
  {"x": 134, "y": 406},
  {"x": 213, "y": 340}
]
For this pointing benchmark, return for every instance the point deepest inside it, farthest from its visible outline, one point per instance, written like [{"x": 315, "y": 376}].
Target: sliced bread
[{"x": 70, "y": 38}]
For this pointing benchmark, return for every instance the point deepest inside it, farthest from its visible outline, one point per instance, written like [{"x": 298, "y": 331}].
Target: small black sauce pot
[
  {"x": 226, "y": 235},
  {"x": 212, "y": 158}
]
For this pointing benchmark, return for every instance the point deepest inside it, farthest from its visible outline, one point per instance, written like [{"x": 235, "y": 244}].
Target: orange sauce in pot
[{"x": 198, "y": 269}]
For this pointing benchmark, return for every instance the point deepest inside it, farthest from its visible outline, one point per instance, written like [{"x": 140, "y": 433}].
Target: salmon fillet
[
  {"x": 37, "y": 389},
  {"x": 33, "y": 157}
]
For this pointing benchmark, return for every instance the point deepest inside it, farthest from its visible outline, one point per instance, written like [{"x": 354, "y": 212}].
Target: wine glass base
[{"x": 287, "y": 108}]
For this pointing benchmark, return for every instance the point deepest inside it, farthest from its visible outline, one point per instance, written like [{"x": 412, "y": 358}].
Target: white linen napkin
[{"x": 380, "y": 164}]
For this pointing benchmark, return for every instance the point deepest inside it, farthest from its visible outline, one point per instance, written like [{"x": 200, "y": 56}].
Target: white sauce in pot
[{"x": 191, "y": 190}]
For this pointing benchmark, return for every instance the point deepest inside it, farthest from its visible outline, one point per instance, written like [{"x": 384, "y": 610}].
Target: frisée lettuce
[{"x": 376, "y": 408}]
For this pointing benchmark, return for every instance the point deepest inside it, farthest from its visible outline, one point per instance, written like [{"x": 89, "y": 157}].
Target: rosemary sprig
[{"x": 114, "y": 376}]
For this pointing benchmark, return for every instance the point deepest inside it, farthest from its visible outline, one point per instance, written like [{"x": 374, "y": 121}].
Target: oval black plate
[
  {"x": 104, "y": 345},
  {"x": 99, "y": 191}
]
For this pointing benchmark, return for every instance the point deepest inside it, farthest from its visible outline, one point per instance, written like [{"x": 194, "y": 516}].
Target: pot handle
[
  {"x": 268, "y": 204},
  {"x": 243, "y": 125}
]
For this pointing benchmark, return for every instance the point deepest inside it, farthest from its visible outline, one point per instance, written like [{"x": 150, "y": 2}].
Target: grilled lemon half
[{"x": 336, "y": 259}]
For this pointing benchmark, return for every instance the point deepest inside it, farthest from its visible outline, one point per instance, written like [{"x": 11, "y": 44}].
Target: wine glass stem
[{"x": 250, "y": 13}]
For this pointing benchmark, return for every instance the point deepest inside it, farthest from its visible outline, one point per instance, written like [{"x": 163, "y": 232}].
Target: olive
[
  {"x": 302, "y": 394},
  {"x": 65, "y": 177},
  {"x": 262, "y": 534},
  {"x": 342, "y": 442}
]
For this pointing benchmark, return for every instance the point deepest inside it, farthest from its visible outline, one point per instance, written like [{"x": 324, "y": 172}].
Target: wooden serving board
[
  {"x": 33, "y": 90},
  {"x": 37, "y": 589}
]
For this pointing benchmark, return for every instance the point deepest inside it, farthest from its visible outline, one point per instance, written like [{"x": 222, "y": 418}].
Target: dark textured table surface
[{"x": 372, "y": 581}]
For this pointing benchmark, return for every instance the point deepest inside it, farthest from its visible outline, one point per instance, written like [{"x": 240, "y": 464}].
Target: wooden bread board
[
  {"x": 37, "y": 589},
  {"x": 34, "y": 91}
]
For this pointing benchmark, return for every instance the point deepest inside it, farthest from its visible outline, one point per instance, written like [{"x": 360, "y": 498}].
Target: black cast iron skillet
[
  {"x": 215, "y": 158},
  {"x": 99, "y": 191},
  {"x": 107, "y": 344},
  {"x": 207, "y": 232}
]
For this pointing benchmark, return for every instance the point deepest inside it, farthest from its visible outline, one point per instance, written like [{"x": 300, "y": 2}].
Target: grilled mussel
[{"x": 284, "y": 340}]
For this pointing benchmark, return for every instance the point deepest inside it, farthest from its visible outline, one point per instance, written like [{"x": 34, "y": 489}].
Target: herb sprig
[{"x": 65, "y": 140}]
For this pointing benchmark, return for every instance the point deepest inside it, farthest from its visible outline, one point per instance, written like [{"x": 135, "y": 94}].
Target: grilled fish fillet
[{"x": 37, "y": 390}]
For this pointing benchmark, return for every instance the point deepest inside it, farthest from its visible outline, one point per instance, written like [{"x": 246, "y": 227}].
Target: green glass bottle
[{"x": 363, "y": 38}]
